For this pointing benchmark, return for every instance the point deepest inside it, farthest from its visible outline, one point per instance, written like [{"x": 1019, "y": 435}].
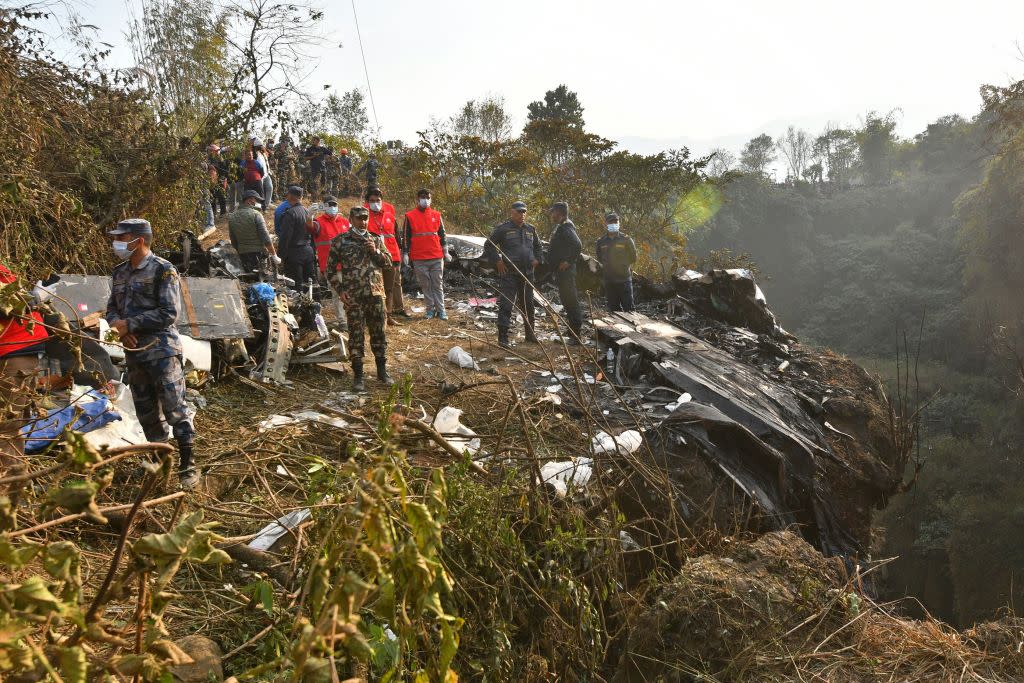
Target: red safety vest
[
  {"x": 330, "y": 227},
  {"x": 14, "y": 334},
  {"x": 383, "y": 224},
  {"x": 425, "y": 243}
]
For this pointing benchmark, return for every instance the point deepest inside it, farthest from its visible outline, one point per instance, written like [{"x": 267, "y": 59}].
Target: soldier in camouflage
[
  {"x": 285, "y": 157},
  {"x": 360, "y": 285},
  {"x": 142, "y": 310}
]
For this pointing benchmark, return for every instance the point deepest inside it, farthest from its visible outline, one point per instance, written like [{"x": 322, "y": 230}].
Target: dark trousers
[
  {"x": 570, "y": 298},
  {"x": 620, "y": 295},
  {"x": 300, "y": 265},
  {"x": 515, "y": 290},
  {"x": 158, "y": 390},
  {"x": 220, "y": 199}
]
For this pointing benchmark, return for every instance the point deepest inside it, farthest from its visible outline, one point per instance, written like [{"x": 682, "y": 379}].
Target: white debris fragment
[
  {"x": 783, "y": 365},
  {"x": 683, "y": 398},
  {"x": 450, "y": 426},
  {"x": 563, "y": 473},
  {"x": 275, "y": 421},
  {"x": 553, "y": 389},
  {"x": 269, "y": 534},
  {"x": 625, "y": 443},
  {"x": 458, "y": 356}
]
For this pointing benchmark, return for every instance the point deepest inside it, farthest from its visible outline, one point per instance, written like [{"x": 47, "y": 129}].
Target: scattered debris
[
  {"x": 271, "y": 533},
  {"x": 567, "y": 473},
  {"x": 448, "y": 424},
  {"x": 457, "y": 356},
  {"x": 276, "y": 421}
]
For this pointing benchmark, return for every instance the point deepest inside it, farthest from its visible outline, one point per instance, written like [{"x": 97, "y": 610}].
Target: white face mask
[
  {"x": 424, "y": 202},
  {"x": 359, "y": 231},
  {"x": 332, "y": 211},
  {"x": 121, "y": 249},
  {"x": 613, "y": 228},
  {"x": 376, "y": 206}
]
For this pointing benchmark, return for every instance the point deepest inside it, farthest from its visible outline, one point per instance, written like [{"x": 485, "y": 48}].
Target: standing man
[
  {"x": 314, "y": 156},
  {"x": 617, "y": 254},
  {"x": 294, "y": 240},
  {"x": 142, "y": 309},
  {"x": 345, "y": 164},
  {"x": 563, "y": 252},
  {"x": 382, "y": 222},
  {"x": 219, "y": 182},
  {"x": 360, "y": 285},
  {"x": 424, "y": 246},
  {"x": 260, "y": 153},
  {"x": 369, "y": 169},
  {"x": 326, "y": 227},
  {"x": 515, "y": 250},
  {"x": 247, "y": 231}
]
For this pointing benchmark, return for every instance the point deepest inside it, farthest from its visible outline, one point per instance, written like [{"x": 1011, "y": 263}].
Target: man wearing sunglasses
[{"x": 515, "y": 250}]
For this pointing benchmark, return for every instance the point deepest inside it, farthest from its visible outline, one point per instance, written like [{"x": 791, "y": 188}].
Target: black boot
[
  {"x": 382, "y": 372},
  {"x": 503, "y": 338},
  {"x": 357, "y": 377},
  {"x": 188, "y": 474},
  {"x": 531, "y": 336}
]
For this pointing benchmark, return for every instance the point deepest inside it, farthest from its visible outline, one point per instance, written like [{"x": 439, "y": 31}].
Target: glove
[
  {"x": 447, "y": 257},
  {"x": 277, "y": 259},
  {"x": 405, "y": 259}
]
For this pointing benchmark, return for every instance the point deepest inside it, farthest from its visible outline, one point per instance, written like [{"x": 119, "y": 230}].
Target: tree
[
  {"x": 876, "y": 142},
  {"x": 485, "y": 118},
  {"x": 836, "y": 148},
  {"x": 758, "y": 154},
  {"x": 795, "y": 146},
  {"x": 720, "y": 162},
  {"x": 560, "y": 104},
  {"x": 346, "y": 115}
]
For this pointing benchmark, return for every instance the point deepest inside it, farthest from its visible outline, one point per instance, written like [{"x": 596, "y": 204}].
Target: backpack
[{"x": 253, "y": 174}]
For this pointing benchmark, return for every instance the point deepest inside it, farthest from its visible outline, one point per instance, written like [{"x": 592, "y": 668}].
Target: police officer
[
  {"x": 563, "y": 252},
  {"x": 142, "y": 309},
  {"x": 247, "y": 230},
  {"x": 294, "y": 240},
  {"x": 515, "y": 250},
  {"x": 617, "y": 254},
  {"x": 360, "y": 284}
]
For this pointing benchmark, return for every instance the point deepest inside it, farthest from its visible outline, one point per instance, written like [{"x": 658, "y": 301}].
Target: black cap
[
  {"x": 519, "y": 206},
  {"x": 134, "y": 226},
  {"x": 295, "y": 190},
  {"x": 252, "y": 194},
  {"x": 612, "y": 216},
  {"x": 330, "y": 198},
  {"x": 359, "y": 211},
  {"x": 559, "y": 206}
]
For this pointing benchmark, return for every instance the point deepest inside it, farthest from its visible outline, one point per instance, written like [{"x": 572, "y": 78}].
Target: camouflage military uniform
[
  {"x": 361, "y": 258},
  {"x": 285, "y": 158},
  {"x": 147, "y": 299},
  {"x": 332, "y": 173}
]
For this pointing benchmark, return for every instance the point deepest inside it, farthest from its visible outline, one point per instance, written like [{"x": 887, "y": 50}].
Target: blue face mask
[
  {"x": 121, "y": 249},
  {"x": 331, "y": 211},
  {"x": 613, "y": 228}
]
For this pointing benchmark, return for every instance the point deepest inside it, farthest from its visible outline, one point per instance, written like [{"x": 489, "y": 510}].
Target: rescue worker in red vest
[
  {"x": 325, "y": 228},
  {"x": 383, "y": 223},
  {"x": 424, "y": 247},
  {"x": 22, "y": 337}
]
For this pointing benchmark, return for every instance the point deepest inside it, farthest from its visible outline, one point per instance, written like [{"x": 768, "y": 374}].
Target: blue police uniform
[
  {"x": 518, "y": 247},
  {"x": 146, "y": 298}
]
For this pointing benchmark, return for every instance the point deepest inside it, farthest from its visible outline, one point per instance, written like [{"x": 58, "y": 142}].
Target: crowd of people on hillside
[{"x": 359, "y": 253}]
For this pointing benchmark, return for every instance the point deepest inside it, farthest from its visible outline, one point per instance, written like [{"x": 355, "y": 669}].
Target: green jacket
[{"x": 248, "y": 231}]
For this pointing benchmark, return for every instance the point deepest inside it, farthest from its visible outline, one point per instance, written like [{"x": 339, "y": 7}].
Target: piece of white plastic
[
  {"x": 458, "y": 356},
  {"x": 449, "y": 424},
  {"x": 563, "y": 473},
  {"x": 269, "y": 534},
  {"x": 674, "y": 406},
  {"x": 625, "y": 443},
  {"x": 275, "y": 421},
  {"x": 197, "y": 353},
  {"x": 124, "y": 432}
]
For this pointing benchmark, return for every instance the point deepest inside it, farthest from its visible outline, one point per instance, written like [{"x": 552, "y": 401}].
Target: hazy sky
[{"x": 656, "y": 74}]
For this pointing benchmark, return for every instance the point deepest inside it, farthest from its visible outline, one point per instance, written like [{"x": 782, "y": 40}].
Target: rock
[{"x": 206, "y": 665}]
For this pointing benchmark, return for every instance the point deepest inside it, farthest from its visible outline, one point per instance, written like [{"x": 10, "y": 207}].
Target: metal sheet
[{"x": 210, "y": 308}]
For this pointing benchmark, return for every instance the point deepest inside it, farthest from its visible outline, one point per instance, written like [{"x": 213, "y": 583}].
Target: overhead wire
[{"x": 366, "y": 70}]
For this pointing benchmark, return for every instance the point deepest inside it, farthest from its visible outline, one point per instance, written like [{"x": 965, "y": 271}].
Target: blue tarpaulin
[{"x": 42, "y": 431}]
